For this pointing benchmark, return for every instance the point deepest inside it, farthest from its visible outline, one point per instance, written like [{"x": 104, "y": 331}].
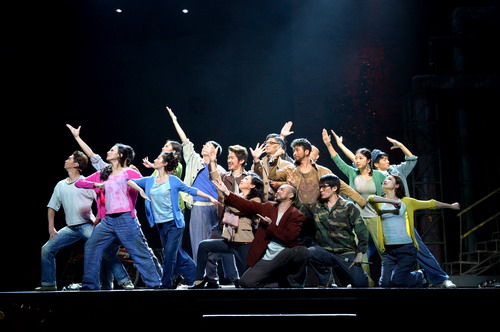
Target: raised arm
[
  {"x": 328, "y": 142},
  {"x": 180, "y": 132},
  {"x": 399, "y": 145},
  {"x": 286, "y": 130},
  {"x": 76, "y": 134},
  {"x": 340, "y": 142},
  {"x": 259, "y": 151},
  {"x": 212, "y": 156}
]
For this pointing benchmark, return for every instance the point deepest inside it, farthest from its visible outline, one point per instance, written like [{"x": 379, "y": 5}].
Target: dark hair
[
  {"x": 399, "y": 191},
  {"x": 293, "y": 190},
  {"x": 278, "y": 139},
  {"x": 378, "y": 157},
  {"x": 331, "y": 180},
  {"x": 177, "y": 148},
  {"x": 81, "y": 159},
  {"x": 171, "y": 159},
  {"x": 303, "y": 142},
  {"x": 368, "y": 154},
  {"x": 258, "y": 190},
  {"x": 127, "y": 155},
  {"x": 217, "y": 146},
  {"x": 240, "y": 152}
]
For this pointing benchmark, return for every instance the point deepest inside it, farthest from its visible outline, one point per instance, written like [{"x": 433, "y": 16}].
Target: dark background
[{"x": 232, "y": 71}]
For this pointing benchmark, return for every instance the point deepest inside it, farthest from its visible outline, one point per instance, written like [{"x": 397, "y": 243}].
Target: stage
[{"x": 220, "y": 309}]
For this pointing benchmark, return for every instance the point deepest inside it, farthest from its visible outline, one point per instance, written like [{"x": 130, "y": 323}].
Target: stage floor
[{"x": 219, "y": 309}]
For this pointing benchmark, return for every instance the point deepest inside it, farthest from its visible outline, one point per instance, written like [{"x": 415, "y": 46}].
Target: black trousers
[{"x": 284, "y": 270}]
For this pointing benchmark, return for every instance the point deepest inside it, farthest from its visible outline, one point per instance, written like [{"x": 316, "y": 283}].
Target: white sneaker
[
  {"x": 73, "y": 287},
  {"x": 446, "y": 284},
  {"x": 46, "y": 288},
  {"x": 128, "y": 285}
]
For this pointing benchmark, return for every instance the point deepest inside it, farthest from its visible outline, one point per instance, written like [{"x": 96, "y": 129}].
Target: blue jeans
[
  {"x": 175, "y": 260},
  {"x": 429, "y": 264},
  {"x": 128, "y": 231},
  {"x": 398, "y": 265},
  {"x": 425, "y": 259},
  {"x": 69, "y": 235}
]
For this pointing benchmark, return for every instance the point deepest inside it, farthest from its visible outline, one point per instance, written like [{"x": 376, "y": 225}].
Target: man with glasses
[
  {"x": 273, "y": 148},
  {"x": 341, "y": 237}
]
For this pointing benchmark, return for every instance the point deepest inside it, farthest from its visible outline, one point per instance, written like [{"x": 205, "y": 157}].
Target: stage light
[
  {"x": 118, "y": 10},
  {"x": 185, "y": 11}
]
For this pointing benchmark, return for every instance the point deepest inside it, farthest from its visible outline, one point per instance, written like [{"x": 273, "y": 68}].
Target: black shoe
[
  {"x": 212, "y": 284},
  {"x": 201, "y": 285},
  {"x": 177, "y": 282}
]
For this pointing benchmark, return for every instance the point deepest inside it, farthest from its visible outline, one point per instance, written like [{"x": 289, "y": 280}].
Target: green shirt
[{"x": 340, "y": 230}]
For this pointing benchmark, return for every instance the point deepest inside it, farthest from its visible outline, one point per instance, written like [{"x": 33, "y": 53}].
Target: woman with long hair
[
  {"x": 396, "y": 233},
  {"x": 237, "y": 233},
  {"x": 116, "y": 211},
  {"x": 161, "y": 194}
]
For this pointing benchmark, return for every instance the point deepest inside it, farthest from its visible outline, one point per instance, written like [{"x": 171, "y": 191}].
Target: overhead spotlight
[
  {"x": 185, "y": 11},
  {"x": 118, "y": 10}
]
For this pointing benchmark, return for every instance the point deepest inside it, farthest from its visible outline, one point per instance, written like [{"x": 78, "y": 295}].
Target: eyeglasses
[
  {"x": 270, "y": 142},
  {"x": 323, "y": 186}
]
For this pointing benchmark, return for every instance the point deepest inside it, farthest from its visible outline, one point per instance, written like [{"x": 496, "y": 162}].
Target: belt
[
  {"x": 201, "y": 203},
  {"x": 396, "y": 246}
]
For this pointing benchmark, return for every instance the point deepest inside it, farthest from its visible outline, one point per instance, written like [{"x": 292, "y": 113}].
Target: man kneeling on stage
[{"x": 275, "y": 258}]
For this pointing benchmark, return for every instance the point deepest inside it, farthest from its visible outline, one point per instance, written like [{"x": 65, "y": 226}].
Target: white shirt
[
  {"x": 274, "y": 248},
  {"x": 76, "y": 202}
]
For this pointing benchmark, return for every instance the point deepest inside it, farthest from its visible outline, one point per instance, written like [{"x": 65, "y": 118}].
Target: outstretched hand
[
  {"x": 395, "y": 144},
  {"x": 74, "y": 131},
  {"x": 338, "y": 139},
  {"x": 171, "y": 113},
  {"x": 147, "y": 163},
  {"x": 326, "y": 138},
  {"x": 286, "y": 129},
  {"x": 259, "y": 150},
  {"x": 221, "y": 186},
  {"x": 143, "y": 195},
  {"x": 265, "y": 219},
  {"x": 215, "y": 201}
]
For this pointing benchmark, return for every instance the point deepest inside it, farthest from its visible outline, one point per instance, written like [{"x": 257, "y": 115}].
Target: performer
[
  {"x": 275, "y": 257},
  {"x": 341, "y": 237},
  {"x": 380, "y": 160},
  {"x": 396, "y": 233},
  {"x": 236, "y": 239},
  {"x": 161, "y": 194},
  {"x": 203, "y": 212},
  {"x": 77, "y": 206},
  {"x": 116, "y": 209},
  {"x": 366, "y": 181}
]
